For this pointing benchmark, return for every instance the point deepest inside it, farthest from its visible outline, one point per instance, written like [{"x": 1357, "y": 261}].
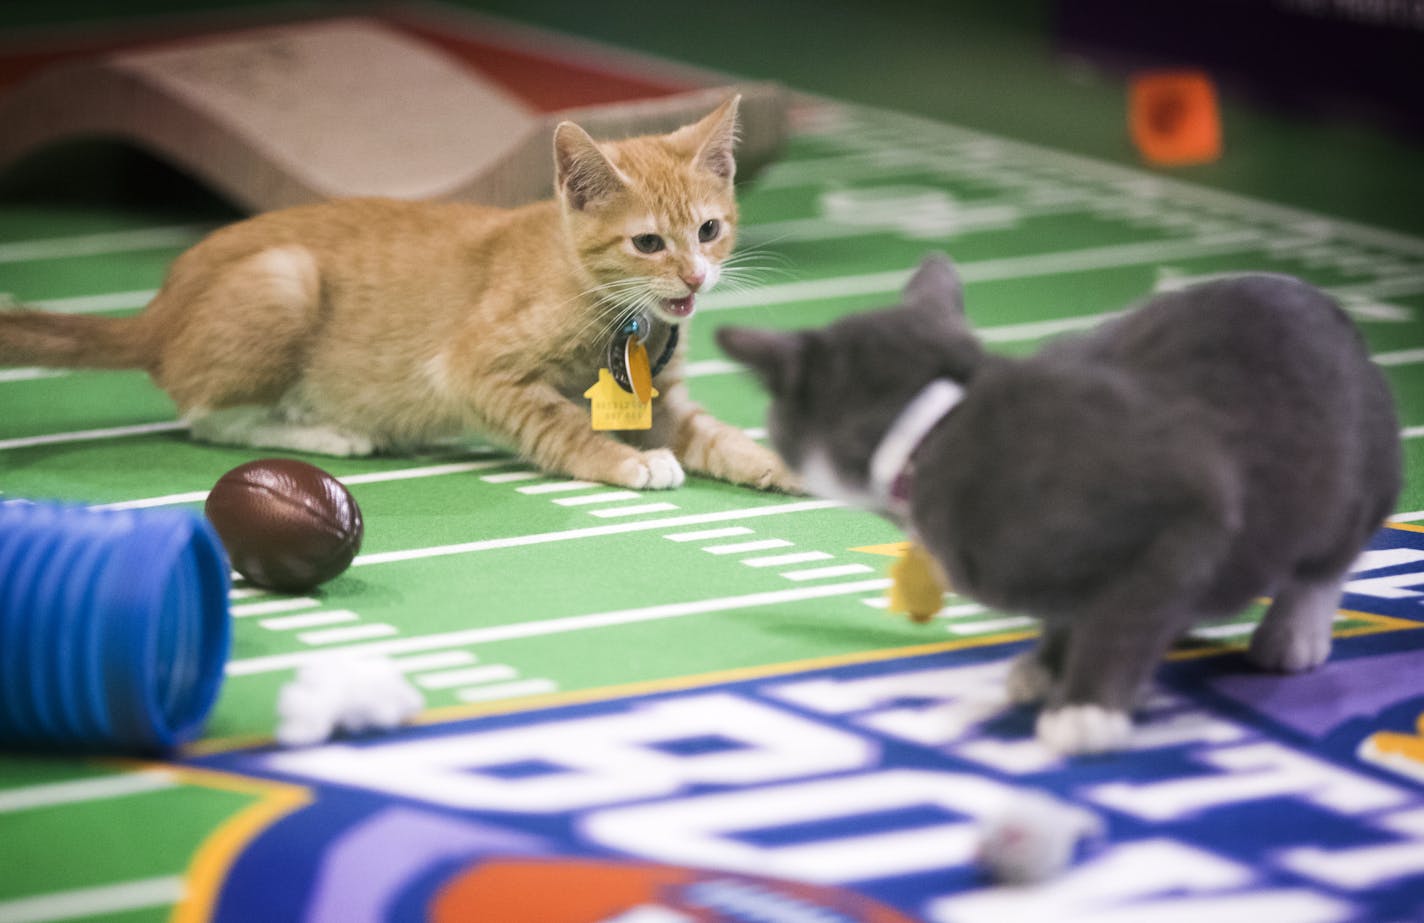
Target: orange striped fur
[{"x": 365, "y": 325}]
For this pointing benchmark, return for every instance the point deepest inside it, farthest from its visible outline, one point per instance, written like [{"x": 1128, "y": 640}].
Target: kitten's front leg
[
  {"x": 552, "y": 432},
  {"x": 708, "y": 446},
  {"x": 1296, "y": 633},
  {"x": 1108, "y": 658},
  {"x": 1034, "y": 673}
]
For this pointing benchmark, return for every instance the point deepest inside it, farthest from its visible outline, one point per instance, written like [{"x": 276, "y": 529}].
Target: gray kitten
[{"x": 1215, "y": 444}]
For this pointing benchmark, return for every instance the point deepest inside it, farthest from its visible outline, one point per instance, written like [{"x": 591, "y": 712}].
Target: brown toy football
[{"x": 287, "y": 525}]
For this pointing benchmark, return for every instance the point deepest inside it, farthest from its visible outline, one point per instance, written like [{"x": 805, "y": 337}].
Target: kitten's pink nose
[{"x": 694, "y": 280}]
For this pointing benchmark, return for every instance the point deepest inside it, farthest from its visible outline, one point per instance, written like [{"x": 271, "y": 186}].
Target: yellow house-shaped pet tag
[{"x": 614, "y": 408}]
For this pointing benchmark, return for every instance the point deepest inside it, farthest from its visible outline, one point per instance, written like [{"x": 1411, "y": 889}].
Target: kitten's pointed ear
[
  {"x": 713, "y": 139},
  {"x": 936, "y": 284},
  {"x": 582, "y": 174},
  {"x": 773, "y": 355}
]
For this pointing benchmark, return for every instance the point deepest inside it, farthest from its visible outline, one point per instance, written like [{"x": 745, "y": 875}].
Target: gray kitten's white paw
[
  {"x": 1081, "y": 729},
  {"x": 654, "y": 470},
  {"x": 1029, "y": 680},
  {"x": 1295, "y": 633},
  {"x": 1290, "y": 648}
]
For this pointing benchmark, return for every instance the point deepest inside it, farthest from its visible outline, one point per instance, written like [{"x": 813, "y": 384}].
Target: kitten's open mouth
[{"x": 680, "y": 307}]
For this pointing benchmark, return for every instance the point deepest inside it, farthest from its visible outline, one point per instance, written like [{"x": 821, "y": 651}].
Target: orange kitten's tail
[{"x": 46, "y": 338}]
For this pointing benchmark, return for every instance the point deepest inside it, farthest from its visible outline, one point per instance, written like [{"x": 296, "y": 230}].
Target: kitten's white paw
[
  {"x": 259, "y": 428},
  {"x": 1079, "y": 729},
  {"x": 654, "y": 470},
  {"x": 1283, "y": 648},
  {"x": 323, "y": 441},
  {"x": 1029, "y": 680},
  {"x": 1295, "y": 633}
]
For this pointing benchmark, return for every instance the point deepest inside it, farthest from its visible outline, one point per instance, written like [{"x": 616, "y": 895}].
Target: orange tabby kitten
[{"x": 364, "y": 325}]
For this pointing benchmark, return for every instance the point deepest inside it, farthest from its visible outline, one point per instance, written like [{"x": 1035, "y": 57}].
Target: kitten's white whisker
[
  {"x": 617, "y": 315},
  {"x": 778, "y": 268},
  {"x": 614, "y": 287},
  {"x": 603, "y": 322},
  {"x": 610, "y": 306}
]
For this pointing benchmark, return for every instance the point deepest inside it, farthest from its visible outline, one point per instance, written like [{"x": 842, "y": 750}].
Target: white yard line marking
[
  {"x": 963, "y": 610},
  {"x": 605, "y": 497},
  {"x": 1219, "y": 632},
  {"x": 1014, "y": 267},
  {"x": 436, "y": 661},
  {"x": 273, "y": 606},
  {"x": 103, "y": 900},
  {"x": 192, "y": 496},
  {"x": 1383, "y": 558},
  {"x": 81, "y": 791},
  {"x": 991, "y": 625},
  {"x": 1374, "y": 310},
  {"x": 452, "y": 678},
  {"x": 520, "y": 541},
  {"x": 476, "y": 636},
  {"x": 56, "y": 248},
  {"x": 1412, "y": 432},
  {"x": 509, "y": 477},
  {"x": 710, "y": 367},
  {"x": 817, "y": 171},
  {"x": 1027, "y": 332},
  {"x": 30, "y": 374},
  {"x": 427, "y": 471},
  {"x": 764, "y": 544},
  {"x": 1230, "y": 630},
  {"x": 95, "y": 304},
  {"x": 115, "y": 432},
  {"x": 344, "y": 635},
  {"x": 948, "y": 612},
  {"x": 310, "y": 620},
  {"x": 374, "y": 477},
  {"x": 822, "y": 573},
  {"x": 997, "y": 333},
  {"x": 1389, "y": 287},
  {"x": 706, "y": 534},
  {"x": 951, "y": 220},
  {"x": 938, "y": 136},
  {"x": 639, "y": 509},
  {"x": 779, "y": 560},
  {"x": 556, "y": 487},
  {"x": 507, "y": 690},
  {"x": 1407, "y": 517},
  {"x": 1042, "y": 329},
  {"x": 1361, "y": 299},
  {"x": 246, "y": 592},
  {"x": 1400, "y": 357}
]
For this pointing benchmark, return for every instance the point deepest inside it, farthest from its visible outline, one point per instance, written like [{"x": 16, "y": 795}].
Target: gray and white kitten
[{"x": 1215, "y": 444}]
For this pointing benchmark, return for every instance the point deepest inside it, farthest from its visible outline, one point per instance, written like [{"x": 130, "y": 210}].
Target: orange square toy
[{"x": 1173, "y": 118}]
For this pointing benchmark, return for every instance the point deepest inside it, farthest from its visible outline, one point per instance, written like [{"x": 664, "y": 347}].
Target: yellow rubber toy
[{"x": 916, "y": 586}]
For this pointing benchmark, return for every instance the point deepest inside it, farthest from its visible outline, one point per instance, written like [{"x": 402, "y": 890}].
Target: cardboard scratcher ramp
[{"x": 284, "y": 115}]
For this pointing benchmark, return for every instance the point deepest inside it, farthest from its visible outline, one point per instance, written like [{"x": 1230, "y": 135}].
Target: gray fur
[{"x": 1215, "y": 444}]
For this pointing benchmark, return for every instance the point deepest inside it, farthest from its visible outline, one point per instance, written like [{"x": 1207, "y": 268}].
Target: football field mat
[{"x": 693, "y": 705}]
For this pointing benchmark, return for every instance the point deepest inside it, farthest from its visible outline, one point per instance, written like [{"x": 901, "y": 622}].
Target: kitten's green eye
[
  {"x": 709, "y": 230},
  {"x": 648, "y": 243}
]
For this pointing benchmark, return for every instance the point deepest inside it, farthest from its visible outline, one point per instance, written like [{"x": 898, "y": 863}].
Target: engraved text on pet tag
[
  {"x": 623, "y": 396},
  {"x": 614, "y": 408}
]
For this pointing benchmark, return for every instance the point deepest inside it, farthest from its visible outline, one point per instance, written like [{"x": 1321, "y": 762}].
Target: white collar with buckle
[{"x": 890, "y": 469}]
